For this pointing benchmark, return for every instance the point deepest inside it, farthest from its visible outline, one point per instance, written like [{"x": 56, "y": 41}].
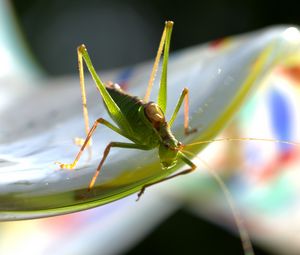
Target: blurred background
[{"x": 120, "y": 33}]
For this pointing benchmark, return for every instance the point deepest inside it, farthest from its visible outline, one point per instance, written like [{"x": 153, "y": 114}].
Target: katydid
[{"x": 141, "y": 121}]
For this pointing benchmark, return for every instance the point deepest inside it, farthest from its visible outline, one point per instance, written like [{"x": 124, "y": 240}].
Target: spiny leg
[
  {"x": 106, "y": 152},
  {"x": 155, "y": 65},
  {"x": 186, "y": 171},
  {"x": 111, "y": 105},
  {"x": 87, "y": 139},
  {"x": 80, "y": 141},
  {"x": 184, "y": 96},
  {"x": 162, "y": 94}
]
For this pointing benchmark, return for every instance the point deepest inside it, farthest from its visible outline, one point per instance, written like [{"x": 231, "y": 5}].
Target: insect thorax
[
  {"x": 154, "y": 114},
  {"x": 157, "y": 118}
]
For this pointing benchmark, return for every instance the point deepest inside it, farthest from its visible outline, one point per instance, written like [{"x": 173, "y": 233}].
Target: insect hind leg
[
  {"x": 155, "y": 66},
  {"x": 80, "y": 141}
]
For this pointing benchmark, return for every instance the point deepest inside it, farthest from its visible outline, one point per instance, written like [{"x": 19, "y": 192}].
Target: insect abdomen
[{"x": 130, "y": 105}]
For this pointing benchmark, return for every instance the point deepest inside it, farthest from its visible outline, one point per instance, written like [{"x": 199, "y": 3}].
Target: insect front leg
[
  {"x": 184, "y": 96},
  {"x": 87, "y": 139},
  {"x": 106, "y": 152},
  {"x": 186, "y": 171}
]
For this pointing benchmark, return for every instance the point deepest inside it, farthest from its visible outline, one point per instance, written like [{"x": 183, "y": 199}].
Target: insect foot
[
  {"x": 65, "y": 166},
  {"x": 140, "y": 194},
  {"x": 81, "y": 48},
  {"x": 78, "y": 141},
  {"x": 169, "y": 24},
  {"x": 190, "y": 131}
]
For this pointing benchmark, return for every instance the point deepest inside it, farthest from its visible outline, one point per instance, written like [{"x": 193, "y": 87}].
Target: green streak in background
[{"x": 17, "y": 60}]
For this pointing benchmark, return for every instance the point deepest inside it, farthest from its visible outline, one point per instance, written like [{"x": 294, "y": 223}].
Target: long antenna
[
  {"x": 245, "y": 239},
  {"x": 243, "y": 139}
]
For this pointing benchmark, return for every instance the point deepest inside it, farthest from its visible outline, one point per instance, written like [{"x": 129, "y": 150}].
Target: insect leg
[
  {"x": 80, "y": 141},
  {"x": 184, "y": 96},
  {"x": 106, "y": 152},
  {"x": 186, "y": 171},
  {"x": 162, "y": 95},
  {"x": 155, "y": 65},
  {"x": 87, "y": 139},
  {"x": 112, "y": 107}
]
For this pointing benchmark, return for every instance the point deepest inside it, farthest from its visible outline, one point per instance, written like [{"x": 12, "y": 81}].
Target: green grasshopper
[
  {"x": 140, "y": 121},
  {"x": 143, "y": 122}
]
